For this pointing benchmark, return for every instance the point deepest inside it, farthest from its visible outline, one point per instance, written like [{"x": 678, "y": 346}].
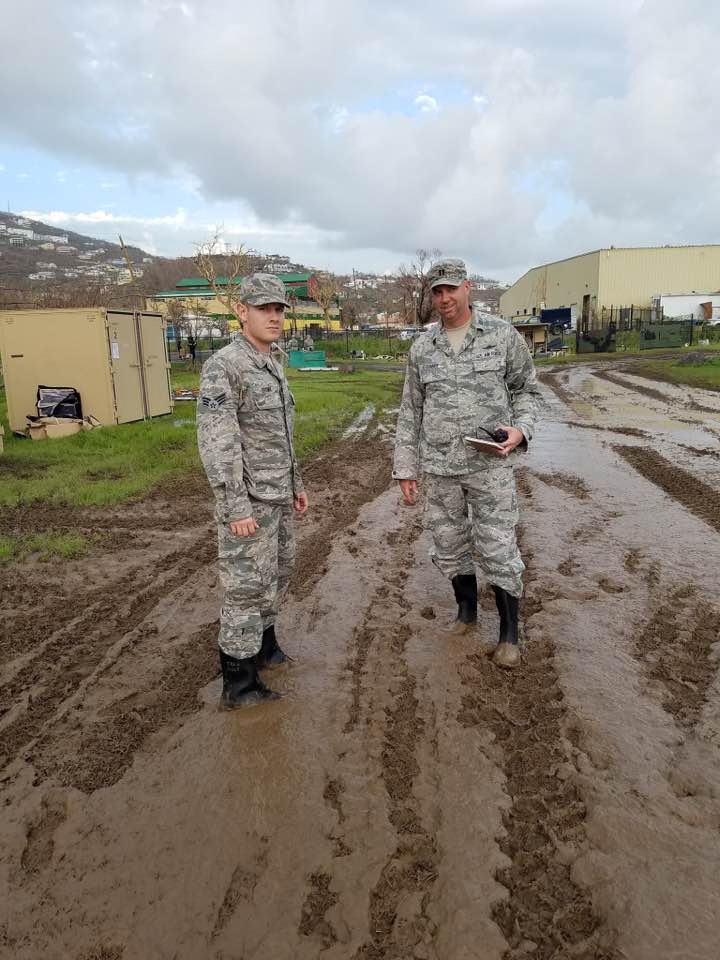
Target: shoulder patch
[{"x": 214, "y": 403}]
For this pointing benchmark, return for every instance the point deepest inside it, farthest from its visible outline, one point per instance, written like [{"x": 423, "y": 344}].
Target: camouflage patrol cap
[
  {"x": 449, "y": 272},
  {"x": 260, "y": 288}
]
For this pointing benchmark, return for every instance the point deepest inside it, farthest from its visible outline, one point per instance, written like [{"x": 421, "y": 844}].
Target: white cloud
[
  {"x": 425, "y": 103},
  {"x": 65, "y": 219},
  {"x": 298, "y": 112}
]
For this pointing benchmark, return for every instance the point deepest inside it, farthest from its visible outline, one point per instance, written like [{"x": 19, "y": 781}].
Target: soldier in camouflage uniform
[
  {"x": 245, "y": 421},
  {"x": 469, "y": 377}
]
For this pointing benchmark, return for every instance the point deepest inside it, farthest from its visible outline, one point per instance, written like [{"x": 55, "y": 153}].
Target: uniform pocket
[
  {"x": 488, "y": 365},
  {"x": 267, "y": 398},
  {"x": 432, "y": 373}
]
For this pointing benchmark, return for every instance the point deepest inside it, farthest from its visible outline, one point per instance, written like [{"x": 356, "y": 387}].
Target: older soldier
[
  {"x": 245, "y": 427},
  {"x": 471, "y": 376}
]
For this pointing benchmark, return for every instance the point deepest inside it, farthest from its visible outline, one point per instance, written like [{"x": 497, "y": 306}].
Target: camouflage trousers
[
  {"x": 472, "y": 519},
  {"x": 255, "y": 573}
]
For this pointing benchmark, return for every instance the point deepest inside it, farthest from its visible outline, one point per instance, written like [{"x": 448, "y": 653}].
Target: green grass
[
  {"x": 374, "y": 345},
  {"x": 114, "y": 464},
  {"x": 327, "y": 402},
  {"x": 43, "y": 545},
  {"x": 706, "y": 374}
]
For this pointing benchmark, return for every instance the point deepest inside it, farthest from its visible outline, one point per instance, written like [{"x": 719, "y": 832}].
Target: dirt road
[{"x": 405, "y": 799}]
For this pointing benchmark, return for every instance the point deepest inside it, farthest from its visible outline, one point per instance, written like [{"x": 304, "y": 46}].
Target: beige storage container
[{"x": 117, "y": 361}]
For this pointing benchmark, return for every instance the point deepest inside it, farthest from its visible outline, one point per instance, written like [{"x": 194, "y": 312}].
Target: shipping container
[{"x": 117, "y": 360}]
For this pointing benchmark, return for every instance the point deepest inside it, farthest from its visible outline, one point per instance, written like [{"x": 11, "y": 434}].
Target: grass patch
[
  {"x": 44, "y": 545},
  {"x": 114, "y": 464},
  {"x": 705, "y": 374}
]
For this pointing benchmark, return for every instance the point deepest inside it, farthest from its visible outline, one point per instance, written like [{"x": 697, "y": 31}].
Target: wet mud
[{"x": 405, "y": 798}]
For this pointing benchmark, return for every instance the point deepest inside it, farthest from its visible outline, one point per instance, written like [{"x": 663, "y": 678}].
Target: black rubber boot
[
  {"x": 465, "y": 587},
  {"x": 271, "y": 655},
  {"x": 242, "y": 687},
  {"x": 507, "y": 653}
]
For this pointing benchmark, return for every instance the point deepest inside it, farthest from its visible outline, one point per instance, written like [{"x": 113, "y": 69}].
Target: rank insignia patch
[{"x": 214, "y": 403}]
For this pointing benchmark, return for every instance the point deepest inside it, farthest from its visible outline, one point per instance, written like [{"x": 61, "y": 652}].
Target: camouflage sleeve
[
  {"x": 521, "y": 379},
  {"x": 219, "y": 440},
  {"x": 406, "y": 464}
]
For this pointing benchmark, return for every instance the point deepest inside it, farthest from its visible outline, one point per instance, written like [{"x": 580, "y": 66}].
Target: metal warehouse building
[{"x": 611, "y": 278}]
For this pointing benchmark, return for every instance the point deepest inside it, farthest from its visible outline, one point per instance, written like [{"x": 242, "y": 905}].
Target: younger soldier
[
  {"x": 469, "y": 377},
  {"x": 245, "y": 421}
]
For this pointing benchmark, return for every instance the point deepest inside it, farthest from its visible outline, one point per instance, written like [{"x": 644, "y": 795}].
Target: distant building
[
  {"x": 699, "y": 306},
  {"x": 612, "y": 277},
  {"x": 16, "y": 241}
]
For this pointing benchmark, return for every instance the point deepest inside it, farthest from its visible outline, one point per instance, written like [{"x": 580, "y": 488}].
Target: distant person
[
  {"x": 191, "y": 347},
  {"x": 309, "y": 343},
  {"x": 469, "y": 376},
  {"x": 245, "y": 417},
  {"x": 292, "y": 344}
]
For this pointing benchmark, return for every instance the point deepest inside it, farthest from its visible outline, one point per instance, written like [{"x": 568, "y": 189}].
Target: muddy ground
[{"x": 405, "y": 799}]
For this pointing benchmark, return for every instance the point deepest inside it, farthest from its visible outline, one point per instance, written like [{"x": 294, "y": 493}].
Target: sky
[{"x": 349, "y": 134}]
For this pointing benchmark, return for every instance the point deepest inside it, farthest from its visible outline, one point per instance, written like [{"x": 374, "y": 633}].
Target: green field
[{"x": 113, "y": 464}]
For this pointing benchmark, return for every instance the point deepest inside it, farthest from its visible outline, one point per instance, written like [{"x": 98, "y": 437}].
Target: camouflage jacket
[
  {"x": 245, "y": 417},
  {"x": 446, "y": 397}
]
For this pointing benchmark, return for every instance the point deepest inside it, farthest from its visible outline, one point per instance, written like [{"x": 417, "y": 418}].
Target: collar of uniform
[
  {"x": 259, "y": 359},
  {"x": 441, "y": 334}
]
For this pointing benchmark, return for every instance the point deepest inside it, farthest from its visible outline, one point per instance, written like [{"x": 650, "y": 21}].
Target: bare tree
[
  {"x": 415, "y": 286},
  {"x": 325, "y": 289},
  {"x": 222, "y": 267}
]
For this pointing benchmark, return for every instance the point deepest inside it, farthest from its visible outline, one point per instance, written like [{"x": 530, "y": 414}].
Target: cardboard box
[
  {"x": 55, "y": 431},
  {"x": 53, "y": 428}
]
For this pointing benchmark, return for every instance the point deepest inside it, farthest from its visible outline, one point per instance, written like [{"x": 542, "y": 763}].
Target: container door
[
  {"x": 125, "y": 367},
  {"x": 156, "y": 364}
]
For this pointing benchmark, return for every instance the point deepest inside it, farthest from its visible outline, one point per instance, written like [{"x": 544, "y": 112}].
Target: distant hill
[{"x": 30, "y": 247}]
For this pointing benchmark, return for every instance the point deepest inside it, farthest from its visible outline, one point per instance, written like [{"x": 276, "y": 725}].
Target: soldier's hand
[
  {"x": 515, "y": 438},
  {"x": 300, "y": 503},
  {"x": 409, "y": 490},
  {"x": 244, "y": 527}
]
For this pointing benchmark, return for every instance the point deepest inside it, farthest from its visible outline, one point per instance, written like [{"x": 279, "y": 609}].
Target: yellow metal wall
[
  {"x": 634, "y": 275},
  {"x": 617, "y": 277},
  {"x": 559, "y": 284},
  {"x": 59, "y": 348}
]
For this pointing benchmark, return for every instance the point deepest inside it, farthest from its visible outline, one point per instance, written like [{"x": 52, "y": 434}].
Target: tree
[
  {"x": 325, "y": 289},
  {"x": 216, "y": 262},
  {"x": 415, "y": 286}
]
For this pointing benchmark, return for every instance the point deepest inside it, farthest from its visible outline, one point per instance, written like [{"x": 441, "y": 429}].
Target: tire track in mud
[
  {"x": 552, "y": 380},
  {"x": 567, "y": 482},
  {"x": 356, "y": 472},
  {"x": 397, "y": 917},
  {"x": 397, "y": 920},
  {"x": 546, "y": 914},
  {"x": 675, "y": 647},
  {"x": 106, "y": 748},
  {"x": 694, "y": 494},
  {"x": 620, "y": 381},
  {"x": 25, "y": 631},
  {"x": 241, "y": 888},
  {"x": 74, "y": 653},
  {"x": 657, "y": 394}
]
